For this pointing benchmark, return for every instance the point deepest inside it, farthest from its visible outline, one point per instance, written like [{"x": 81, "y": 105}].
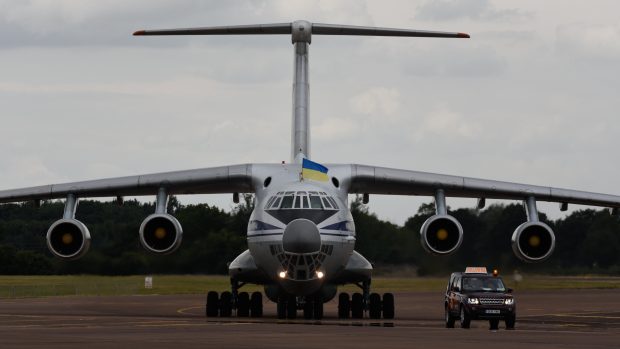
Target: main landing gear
[
  {"x": 359, "y": 303},
  {"x": 242, "y": 303}
]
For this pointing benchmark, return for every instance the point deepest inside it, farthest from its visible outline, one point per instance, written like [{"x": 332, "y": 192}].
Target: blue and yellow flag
[{"x": 312, "y": 170}]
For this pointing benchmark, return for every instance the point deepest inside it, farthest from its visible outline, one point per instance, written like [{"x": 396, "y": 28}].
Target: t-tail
[{"x": 301, "y": 33}]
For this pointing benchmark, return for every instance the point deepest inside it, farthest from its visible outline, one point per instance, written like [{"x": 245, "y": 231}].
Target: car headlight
[
  {"x": 509, "y": 301},
  {"x": 473, "y": 301}
]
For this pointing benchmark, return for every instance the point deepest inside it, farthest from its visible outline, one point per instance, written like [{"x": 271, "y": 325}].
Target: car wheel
[
  {"x": 449, "y": 319},
  {"x": 465, "y": 318},
  {"x": 510, "y": 322}
]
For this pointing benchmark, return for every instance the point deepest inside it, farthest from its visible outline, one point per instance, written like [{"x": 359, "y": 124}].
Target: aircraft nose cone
[{"x": 301, "y": 236}]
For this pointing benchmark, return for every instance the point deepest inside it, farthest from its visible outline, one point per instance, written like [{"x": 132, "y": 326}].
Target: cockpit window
[
  {"x": 332, "y": 201},
  {"x": 315, "y": 201},
  {"x": 273, "y": 198},
  {"x": 301, "y": 200},
  {"x": 326, "y": 203},
  {"x": 287, "y": 202}
]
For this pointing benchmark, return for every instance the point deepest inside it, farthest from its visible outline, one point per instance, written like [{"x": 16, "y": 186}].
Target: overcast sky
[{"x": 532, "y": 97}]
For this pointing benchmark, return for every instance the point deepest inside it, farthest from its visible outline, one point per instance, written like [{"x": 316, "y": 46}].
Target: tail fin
[{"x": 301, "y": 34}]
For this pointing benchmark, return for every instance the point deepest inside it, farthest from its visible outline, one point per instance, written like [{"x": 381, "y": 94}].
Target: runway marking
[
  {"x": 585, "y": 315},
  {"x": 183, "y": 310}
]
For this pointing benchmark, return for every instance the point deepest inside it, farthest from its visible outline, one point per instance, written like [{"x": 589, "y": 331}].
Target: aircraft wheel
[
  {"x": 493, "y": 324},
  {"x": 291, "y": 307},
  {"x": 243, "y": 304},
  {"x": 449, "y": 319},
  {"x": 308, "y": 308},
  {"x": 374, "y": 306},
  {"x": 256, "y": 304},
  {"x": 282, "y": 302},
  {"x": 212, "y": 306},
  {"x": 226, "y": 304},
  {"x": 465, "y": 318},
  {"x": 317, "y": 304},
  {"x": 357, "y": 306},
  {"x": 388, "y": 306},
  {"x": 344, "y": 306},
  {"x": 510, "y": 322}
]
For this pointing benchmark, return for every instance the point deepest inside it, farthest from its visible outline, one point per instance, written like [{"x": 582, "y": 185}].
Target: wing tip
[
  {"x": 463, "y": 35},
  {"x": 139, "y": 33}
]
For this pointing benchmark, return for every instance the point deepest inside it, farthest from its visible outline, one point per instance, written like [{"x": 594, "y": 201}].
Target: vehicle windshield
[{"x": 483, "y": 284}]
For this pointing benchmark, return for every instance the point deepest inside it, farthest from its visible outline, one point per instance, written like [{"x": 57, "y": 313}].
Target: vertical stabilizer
[{"x": 301, "y": 34}]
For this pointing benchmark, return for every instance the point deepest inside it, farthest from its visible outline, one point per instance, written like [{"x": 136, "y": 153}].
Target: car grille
[{"x": 492, "y": 301}]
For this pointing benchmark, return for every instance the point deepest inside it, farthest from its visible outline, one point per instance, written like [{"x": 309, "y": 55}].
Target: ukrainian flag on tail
[{"x": 313, "y": 170}]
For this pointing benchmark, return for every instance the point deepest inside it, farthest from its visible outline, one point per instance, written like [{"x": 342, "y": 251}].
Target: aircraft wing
[
  {"x": 213, "y": 180},
  {"x": 382, "y": 180}
]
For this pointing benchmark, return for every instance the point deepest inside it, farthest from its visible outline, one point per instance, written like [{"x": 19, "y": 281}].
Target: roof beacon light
[{"x": 475, "y": 270}]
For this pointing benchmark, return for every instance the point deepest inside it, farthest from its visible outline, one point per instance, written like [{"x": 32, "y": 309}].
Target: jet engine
[
  {"x": 533, "y": 241},
  {"x": 441, "y": 234},
  {"x": 68, "y": 239},
  {"x": 161, "y": 233}
]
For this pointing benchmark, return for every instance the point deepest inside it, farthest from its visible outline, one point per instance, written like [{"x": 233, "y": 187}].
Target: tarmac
[{"x": 550, "y": 319}]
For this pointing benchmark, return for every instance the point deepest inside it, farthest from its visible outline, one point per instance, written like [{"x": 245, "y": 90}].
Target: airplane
[{"x": 301, "y": 234}]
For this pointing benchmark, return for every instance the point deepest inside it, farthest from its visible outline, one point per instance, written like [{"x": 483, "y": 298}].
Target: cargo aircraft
[{"x": 301, "y": 235}]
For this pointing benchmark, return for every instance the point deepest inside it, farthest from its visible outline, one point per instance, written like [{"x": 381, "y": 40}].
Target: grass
[{"x": 43, "y": 286}]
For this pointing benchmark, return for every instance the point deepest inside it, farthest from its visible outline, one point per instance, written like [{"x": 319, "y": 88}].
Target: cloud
[
  {"x": 379, "y": 100},
  {"x": 456, "y": 61},
  {"x": 479, "y": 10},
  {"x": 336, "y": 129},
  {"x": 106, "y": 23},
  {"x": 443, "y": 123},
  {"x": 600, "y": 42}
]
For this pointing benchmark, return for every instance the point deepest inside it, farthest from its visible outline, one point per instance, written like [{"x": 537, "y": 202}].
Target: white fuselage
[{"x": 303, "y": 269}]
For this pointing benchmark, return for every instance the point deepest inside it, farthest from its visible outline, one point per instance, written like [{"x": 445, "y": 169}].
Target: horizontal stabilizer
[
  {"x": 335, "y": 29},
  {"x": 315, "y": 28},
  {"x": 276, "y": 28}
]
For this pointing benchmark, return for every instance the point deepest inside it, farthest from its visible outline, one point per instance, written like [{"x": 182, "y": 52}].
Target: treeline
[{"x": 588, "y": 241}]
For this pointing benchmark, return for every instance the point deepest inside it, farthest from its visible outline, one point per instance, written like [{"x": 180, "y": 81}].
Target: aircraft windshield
[
  {"x": 301, "y": 200},
  {"x": 483, "y": 284}
]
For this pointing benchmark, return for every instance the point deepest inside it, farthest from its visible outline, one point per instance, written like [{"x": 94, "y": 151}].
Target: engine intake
[
  {"x": 441, "y": 234},
  {"x": 533, "y": 241},
  {"x": 68, "y": 239},
  {"x": 161, "y": 233}
]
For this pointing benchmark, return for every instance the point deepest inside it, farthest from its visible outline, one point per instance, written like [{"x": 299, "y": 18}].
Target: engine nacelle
[
  {"x": 161, "y": 233},
  {"x": 533, "y": 241},
  {"x": 441, "y": 234},
  {"x": 68, "y": 239}
]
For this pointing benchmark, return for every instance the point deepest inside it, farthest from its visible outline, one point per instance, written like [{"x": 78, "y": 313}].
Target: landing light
[
  {"x": 282, "y": 274},
  {"x": 320, "y": 274}
]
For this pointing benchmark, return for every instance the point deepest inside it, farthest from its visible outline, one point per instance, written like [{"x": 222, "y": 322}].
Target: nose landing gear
[{"x": 312, "y": 307}]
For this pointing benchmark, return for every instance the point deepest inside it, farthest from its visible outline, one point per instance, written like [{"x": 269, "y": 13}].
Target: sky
[{"x": 532, "y": 97}]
